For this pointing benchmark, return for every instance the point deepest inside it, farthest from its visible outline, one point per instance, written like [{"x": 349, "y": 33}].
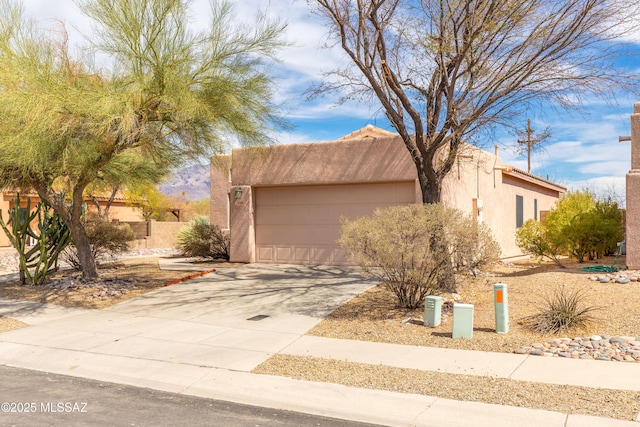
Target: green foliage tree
[
  {"x": 162, "y": 90},
  {"x": 532, "y": 239},
  {"x": 579, "y": 226},
  {"x": 130, "y": 170},
  {"x": 441, "y": 71},
  {"x": 396, "y": 245}
]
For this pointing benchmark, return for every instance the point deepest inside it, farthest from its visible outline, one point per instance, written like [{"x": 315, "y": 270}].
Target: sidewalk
[{"x": 196, "y": 338}]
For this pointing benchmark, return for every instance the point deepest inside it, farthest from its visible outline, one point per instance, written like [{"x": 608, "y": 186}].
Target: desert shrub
[
  {"x": 202, "y": 239},
  {"x": 412, "y": 248},
  {"x": 471, "y": 245},
  {"x": 562, "y": 311},
  {"x": 579, "y": 226},
  {"x": 107, "y": 239},
  {"x": 532, "y": 239}
]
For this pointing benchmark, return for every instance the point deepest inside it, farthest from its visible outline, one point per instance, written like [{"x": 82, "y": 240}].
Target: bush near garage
[
  {"x": 201, "y": 239},
  {"x": 412, "y": 248}
]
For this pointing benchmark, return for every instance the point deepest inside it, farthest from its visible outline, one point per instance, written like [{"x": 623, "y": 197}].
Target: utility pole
[{"x": 530, "y": 143}]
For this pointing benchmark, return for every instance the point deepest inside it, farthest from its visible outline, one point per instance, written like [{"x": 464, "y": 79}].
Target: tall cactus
[{"x": 37, "y": 262}]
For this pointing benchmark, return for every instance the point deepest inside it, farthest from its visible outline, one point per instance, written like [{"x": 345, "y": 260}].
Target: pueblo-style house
[{"x": 283, "y": 204}]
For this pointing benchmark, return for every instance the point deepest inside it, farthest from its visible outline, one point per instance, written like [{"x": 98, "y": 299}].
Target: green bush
[
  {"x": 201, "y": 239},
  {"x": 107, "y": 239},
  {"x": 563, "y": 311},
  {"x": 532, "y": 239},
  {"x": 579, "y": 226},
  {"x": 413, "y": 249}
]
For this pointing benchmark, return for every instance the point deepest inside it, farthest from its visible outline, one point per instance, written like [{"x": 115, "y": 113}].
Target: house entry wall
[{"x": 300, "y": 224}]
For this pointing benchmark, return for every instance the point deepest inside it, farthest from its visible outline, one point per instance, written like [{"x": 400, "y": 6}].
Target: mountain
[{"x": 192, "y": 183}]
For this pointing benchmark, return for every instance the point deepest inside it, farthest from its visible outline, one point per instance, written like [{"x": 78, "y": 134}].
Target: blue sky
[{"x": 583, "y": 151}]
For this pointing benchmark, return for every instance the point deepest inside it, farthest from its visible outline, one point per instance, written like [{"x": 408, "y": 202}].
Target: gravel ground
[
  {"x": 374, "y": 316},
  {"x": 567, "y": 399}
]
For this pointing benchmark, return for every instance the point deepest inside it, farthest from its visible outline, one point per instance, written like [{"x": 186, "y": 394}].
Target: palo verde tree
[
  {"x": 124, "y": 173},
  {"x": 166, "y": 91},
  {"x": 443, "y": 70}
]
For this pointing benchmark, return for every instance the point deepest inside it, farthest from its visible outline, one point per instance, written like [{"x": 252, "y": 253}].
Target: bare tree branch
[{"x": 443, "y": 70}]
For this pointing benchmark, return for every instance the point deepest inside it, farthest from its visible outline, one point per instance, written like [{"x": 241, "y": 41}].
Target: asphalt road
[{"x": 31, "y": 398}]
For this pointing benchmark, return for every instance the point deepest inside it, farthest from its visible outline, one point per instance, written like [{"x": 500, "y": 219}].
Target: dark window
[
  {"x": 535, "y": 209},
  {"x": 519, "y": 211}
]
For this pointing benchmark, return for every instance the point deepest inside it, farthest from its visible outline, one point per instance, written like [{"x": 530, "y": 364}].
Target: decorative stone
[
  {"x": 595, "y": 338},
  {"x": 536, "y": 352},
  {"x": 623, "y": 280},
  {"x": 605, "y": 280}
]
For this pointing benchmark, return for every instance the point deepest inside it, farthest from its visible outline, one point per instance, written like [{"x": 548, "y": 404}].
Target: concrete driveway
[{"x": 232, "y": 319}]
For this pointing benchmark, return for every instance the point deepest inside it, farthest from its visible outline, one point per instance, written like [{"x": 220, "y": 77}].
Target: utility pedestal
[
  {"x": 432, "y": 311},
  {"x": 501, "y": 302},
  {"x": 462, "y": 321}
]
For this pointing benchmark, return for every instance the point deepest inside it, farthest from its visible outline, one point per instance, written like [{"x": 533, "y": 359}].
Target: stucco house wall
[
  {"x": 119, "y": 210},
  {"x": 479, "y": 184}
]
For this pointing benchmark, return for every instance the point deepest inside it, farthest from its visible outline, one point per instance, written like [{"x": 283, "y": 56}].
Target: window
[
  {"x": 519, "y": 211},
  {"x": 535, "y": 209}
]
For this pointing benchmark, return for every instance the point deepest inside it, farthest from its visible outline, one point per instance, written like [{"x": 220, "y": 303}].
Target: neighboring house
[
  {"x": 284, "y": 203},
  {"x": 119, "y": 210}
]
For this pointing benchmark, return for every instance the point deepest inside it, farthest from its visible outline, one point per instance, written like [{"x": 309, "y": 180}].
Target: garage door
[{"x": 300, "y": 225}]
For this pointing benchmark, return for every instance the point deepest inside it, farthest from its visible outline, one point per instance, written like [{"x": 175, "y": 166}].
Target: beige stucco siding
[
  {"x": 479, "y": 184},
  {"x": 354, "y": 161}
]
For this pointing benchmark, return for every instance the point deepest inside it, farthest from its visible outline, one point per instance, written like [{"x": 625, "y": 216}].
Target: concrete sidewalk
[{"x": 203, "y": 337}]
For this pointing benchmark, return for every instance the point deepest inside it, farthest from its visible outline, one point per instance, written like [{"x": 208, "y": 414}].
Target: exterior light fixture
[{"x": 238, "y": 193}]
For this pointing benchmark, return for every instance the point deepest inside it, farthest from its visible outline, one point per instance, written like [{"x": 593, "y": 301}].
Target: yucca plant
[{"x": 562, "y": 311}]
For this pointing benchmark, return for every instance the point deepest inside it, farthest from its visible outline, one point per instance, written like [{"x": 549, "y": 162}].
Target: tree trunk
[
  {"x": 430, "y": 186},
  {"x": 83, "y": 247},
  {"x": 79, "y": 236}
]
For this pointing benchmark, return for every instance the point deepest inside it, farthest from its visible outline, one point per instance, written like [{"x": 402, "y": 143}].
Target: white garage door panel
[{"x": 300, "y": 224}]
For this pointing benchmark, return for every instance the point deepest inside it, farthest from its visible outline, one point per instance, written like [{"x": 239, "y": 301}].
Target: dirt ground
[
  {"x": 374, "y": 316},
  {"x": 144, "y": 272}
]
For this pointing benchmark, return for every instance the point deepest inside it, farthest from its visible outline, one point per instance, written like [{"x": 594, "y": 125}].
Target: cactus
[{"x": 39, "y": 261}]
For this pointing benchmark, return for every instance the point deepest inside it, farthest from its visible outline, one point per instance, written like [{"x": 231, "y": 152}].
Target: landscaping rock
[{"x": 595, "y": 347}]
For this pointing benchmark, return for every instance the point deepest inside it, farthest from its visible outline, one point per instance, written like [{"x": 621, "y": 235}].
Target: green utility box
[
  {"x": 462, "y": 321},
  {"x": 501, "y": 302},
  {"x": 432, "y": 311}
]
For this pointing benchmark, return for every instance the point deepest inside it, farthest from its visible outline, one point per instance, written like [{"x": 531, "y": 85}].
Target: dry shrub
[{"x": 414, "y": 248}]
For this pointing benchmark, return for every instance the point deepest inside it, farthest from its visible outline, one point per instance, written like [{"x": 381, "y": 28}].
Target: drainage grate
[{"x": 258, "y": 317}]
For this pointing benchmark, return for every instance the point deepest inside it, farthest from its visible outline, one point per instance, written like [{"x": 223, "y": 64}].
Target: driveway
[{"x": 233, "y": 319}]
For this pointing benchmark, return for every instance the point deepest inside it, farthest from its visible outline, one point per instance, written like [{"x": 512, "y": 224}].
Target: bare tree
[{"x": 445, "y": 69}]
